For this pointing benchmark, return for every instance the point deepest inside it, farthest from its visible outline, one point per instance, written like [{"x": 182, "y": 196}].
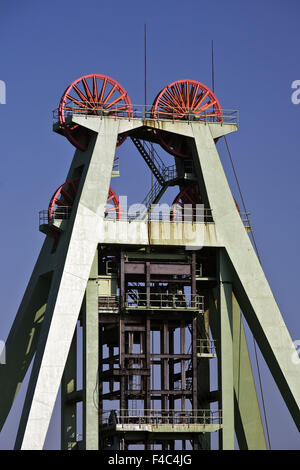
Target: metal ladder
[
  {"x": 155, "y": 163},
  {"x": 165, "y": 175}
]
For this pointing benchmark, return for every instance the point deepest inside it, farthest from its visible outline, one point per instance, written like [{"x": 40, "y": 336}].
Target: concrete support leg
[
  {"x": 91, "y": 362},
  {"x": 23, "y": 337},
  {"x": 68, "y": 406},
  {"x": 250, "y": 285},
  {"x": 76, "y": 252},
  {"x": 226, "y": 356},
  {"x": 248, "y": 423}
]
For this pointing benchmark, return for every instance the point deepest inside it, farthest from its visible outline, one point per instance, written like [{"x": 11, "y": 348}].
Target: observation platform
[
  {"x": 141, "y": 116},
  {"x": 180, "y": 424},
  {"x": 155, "y": 301},
  {"x": 144, "y": 232}
]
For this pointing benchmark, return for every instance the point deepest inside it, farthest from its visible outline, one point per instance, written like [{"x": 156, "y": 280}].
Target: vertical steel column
[
  {"x": 164, "y": 370},
  {"x": 194, "y": 345},
  {"x": 147, "y": 379},
  {"x": 122, "y": 366},
  {"x": 171, "y": 368},
  {"x": 193, "y": 274},
  {"x": 122, "y": 280},
  {"x": 195, "y": 374},
  {"x": 183, "y": 363},
  {"x": 148, "y": 362},
  {"x": 130, "y": 363},
  {"x": 171, "y": 378},
  {"x": 122, "y": 338},
  {"x": 204, "y": 372},
  {"x": 111, "y": 366},
  {"x": 148, "y": 283},
  {"x": 100, "y": 401}
]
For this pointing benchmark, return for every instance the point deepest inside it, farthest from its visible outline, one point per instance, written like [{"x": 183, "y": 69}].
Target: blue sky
[{"x": 44, "y": 46}]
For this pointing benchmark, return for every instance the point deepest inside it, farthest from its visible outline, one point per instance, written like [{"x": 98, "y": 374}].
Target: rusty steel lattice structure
[
  {"x": 142, "y": 359},
  {"x": 145, "y": 304}
]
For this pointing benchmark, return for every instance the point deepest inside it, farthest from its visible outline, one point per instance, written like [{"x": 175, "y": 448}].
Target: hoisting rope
[{"x": 257, "y": 253}]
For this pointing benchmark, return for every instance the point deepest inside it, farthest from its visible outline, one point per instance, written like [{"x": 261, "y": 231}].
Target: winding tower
[{"x": 156, "y": 297}]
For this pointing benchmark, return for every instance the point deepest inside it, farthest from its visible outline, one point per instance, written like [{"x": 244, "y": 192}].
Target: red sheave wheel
[
  {"x": 189, "y": 195},
  {"x": 61, "y": 203},
  {"x": 184, "y": 99},
  {"x": 94, "y": 95}
]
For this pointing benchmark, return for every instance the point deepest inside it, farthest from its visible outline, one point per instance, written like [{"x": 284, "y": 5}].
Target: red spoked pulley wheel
[
  {"x": 189, "y": 195},
  {"x": 92, "y": 94},
  {"x": 184, "y": 100},
  {"x": 62, "y": 201},
  {"x": 113, "y": 207}
]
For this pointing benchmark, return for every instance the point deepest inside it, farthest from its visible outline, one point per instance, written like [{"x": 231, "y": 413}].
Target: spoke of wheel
[
  {"x": 66, "y": 195},
  {"x": 79, "y": 103},
  {"x": 183, "y": 92},
  {"x": 87, "y": 90},
  {"x": 177, "y": 95},
  {"x": 207, "y": 105},
  {"x": 180, "y": 95},
  {"x": 72, "y": 189},
  {"x": 119, "y": 98},
  {"x": 168, "y": 99},
  {"x": 80, "y": 94},
  {"x": 173, "y": 98},
  {"x": 167, "y": 102},
  {"x": 200, "y": 100},
  {"x": 166, "y": 108},
  {"x": 59, "y": 202},
  {"x": 77, "y": 110},
  {"x": 95, "y": 90},
  {"x": 188, "y": 197},
  {"x": 195, "y": 94},
  {"x": 187, "y": 95},
  {"x": 109, "y": 94},
  {"x": 102, "y": 91}
]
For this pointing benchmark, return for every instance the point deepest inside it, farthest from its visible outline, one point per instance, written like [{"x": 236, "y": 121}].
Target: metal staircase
[
  {"x": 155, "y": 163},
  {"x": 165, "y": 175}
]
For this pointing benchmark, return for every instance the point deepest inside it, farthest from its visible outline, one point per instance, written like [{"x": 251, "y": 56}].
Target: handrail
[
  {"x": 226, "y": 116},
  {"x": 157, "y": 301},
  {"x": 197, "y": 215},
  {"x": 164, "y": 301},
  {"x": 161, "y": 417},
  {"x": 206, "y": 346}
]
